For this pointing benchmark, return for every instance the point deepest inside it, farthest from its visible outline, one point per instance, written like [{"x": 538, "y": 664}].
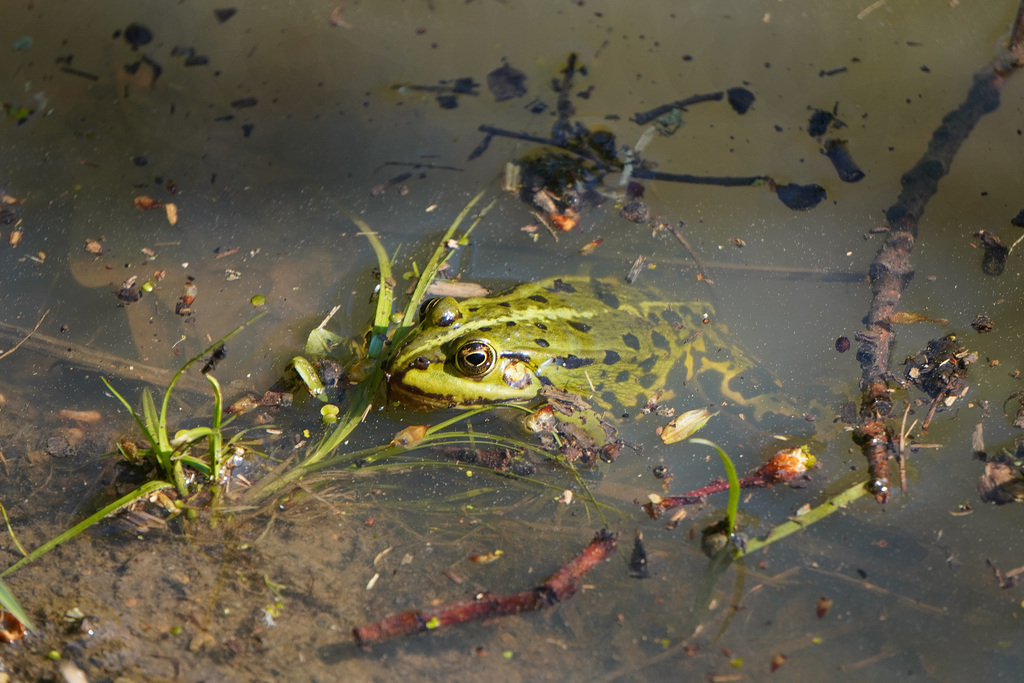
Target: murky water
[{"x": 272, "y": 122}]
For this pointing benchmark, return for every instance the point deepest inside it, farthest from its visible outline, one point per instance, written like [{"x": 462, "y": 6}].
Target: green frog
[{"x": 592, "y": 337}]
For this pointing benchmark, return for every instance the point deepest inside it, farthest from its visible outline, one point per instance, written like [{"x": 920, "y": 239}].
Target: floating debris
[
  {"x": 127, "y": 294},
  {"x": 79, "y": 73},
  {"x": 837, "y": 152},
  {"x": 506, "y": 83},
  {"x": 994, "y": 260},
  {"x": 188, "y": 296},
  {"x": 636, "y": 269},
  {"x": 638, "y": 559},
  {"x": 685, "y": 425},
  {"x": 191, "y": 58},
  {"x": 1002, "y": 481},
  {"x": 486, "y": 558},
  {"x": 224, "y": 14},
  {"x": 144, "y": 79},
  {"x": 11, "y": 629},
  {"x": 740, "y": 99},
  {"x": 138, "y": 35},
  {"x": 145, "y": 203},
  {"x": 410, "y": 437},
  {"x": 982, "y": 323},
  {"x": 1018, "y": 220},
  {"x": 831, "y": 72},
  {"x": 643, "y": 117},
  {"x": 940, "y": 370},
  {"x": 800, "y": 197},
  {"x": 821, "y": 121},
  {"x": 908, "y": 318},
  {"x": 636, "y": 211},
  {"x": 446, "y": 90},
  {"x": 219, "y": 354}
]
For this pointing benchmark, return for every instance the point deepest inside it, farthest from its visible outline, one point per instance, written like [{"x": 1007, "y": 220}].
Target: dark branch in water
[
  {"x": 651, "y": 114},
  {"x": 724, "y": 181},
  {"x": 561, "y": 586},
  {"x": 892, "y": 270}
]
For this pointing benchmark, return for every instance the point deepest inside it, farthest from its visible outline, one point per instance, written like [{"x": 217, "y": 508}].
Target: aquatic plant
[
  {"x": 381, "y": 331},
  {"x": 172, "y": 455}
]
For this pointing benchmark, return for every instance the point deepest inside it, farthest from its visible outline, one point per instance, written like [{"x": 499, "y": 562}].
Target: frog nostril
[{"x": 421, "y": 363}]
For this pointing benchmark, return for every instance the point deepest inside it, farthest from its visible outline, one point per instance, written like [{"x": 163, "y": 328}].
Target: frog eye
[
  {"x": 442, "y": 312},
  {"x": 474, "y": 358}
]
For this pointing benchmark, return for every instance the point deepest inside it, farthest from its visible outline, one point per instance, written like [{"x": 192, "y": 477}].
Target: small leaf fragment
[
  {"x": 410, "y": 436},
  {"x": 685, "y": 425},
  {"x": 144, "y": 203},
  {"x": 486, "y": 558},
  {"x": 329, "y": 413}
]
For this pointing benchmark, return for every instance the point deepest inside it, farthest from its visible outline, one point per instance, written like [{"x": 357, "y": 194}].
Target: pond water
[{"x": 266, "y": 127}]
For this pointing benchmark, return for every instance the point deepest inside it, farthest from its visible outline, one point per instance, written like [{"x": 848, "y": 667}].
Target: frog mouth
[
  {"x": 410, "y": 397},
  {"x": 418, "y": 399}
]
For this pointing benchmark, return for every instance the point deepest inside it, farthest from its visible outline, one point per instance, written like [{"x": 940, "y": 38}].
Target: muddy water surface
[{"x": 272, "y": 122}]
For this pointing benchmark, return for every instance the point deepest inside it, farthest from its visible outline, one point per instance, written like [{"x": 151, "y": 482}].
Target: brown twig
[
  {"x": 27, "y": 336},
  {"x": 892, "y": 270},
  {"x": 702, "y": 270},
  {"x": 785, "y": 466},
  {"x": 561, "y": 586},
  {"x": 112, "y": 366},
  {"x": 901, "y": 453},
  {"x": 1017, "y": 36},
  {"x": 651, "y": 114}
]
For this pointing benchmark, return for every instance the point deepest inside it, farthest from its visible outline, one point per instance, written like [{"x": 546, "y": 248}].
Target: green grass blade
[
  {"x": 92, "y": 519},
  {"x": 9, "y": 603},
  {"x": 218, "y": 401},
  {"x": 216, "y": 437},
  {"x": 195, "y": 463},
  {"x": 734, "y": 483},
  {"x": 184, "y": 437},
  {"x": 156, "y": 426},
  {"x": 836, "y": 502},
  {"x": 386, "y": 295},
  {"x": 131, "y": 411},
  {"x": 10, "y": 531},
  {"x": 470, "y": 413},
  {"x": 196, "y": 359},
  {"x": 437, "y": 258}
]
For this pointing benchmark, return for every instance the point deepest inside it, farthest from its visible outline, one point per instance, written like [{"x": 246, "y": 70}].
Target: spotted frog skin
[{"x": 592, "y": 337}]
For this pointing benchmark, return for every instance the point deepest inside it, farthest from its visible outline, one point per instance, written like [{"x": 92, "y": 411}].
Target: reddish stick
[{"x": 562, "y": 585}]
